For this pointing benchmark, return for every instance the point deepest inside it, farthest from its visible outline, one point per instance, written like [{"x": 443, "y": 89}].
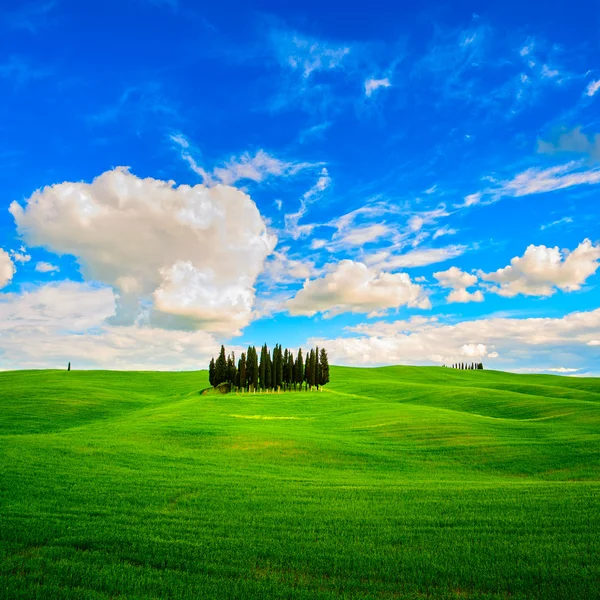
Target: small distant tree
[
  {"x": 324, "y": 367},
  {"x": 69, "y": 367}
]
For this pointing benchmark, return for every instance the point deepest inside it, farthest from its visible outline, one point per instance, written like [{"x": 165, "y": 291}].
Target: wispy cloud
[
  {"x": 563, "y": 221},
  {"x": 537, "y": 181},
  {"x": 138, "y": 101},
  {"x": 252, "y": 167},
  {"x": 304, "y": 54},
  {"x": 415, "y": 258},
  {"x": 593, "y": 87},
  {"x": 371, "y": 85},
  {"x": 292, "y": 220}
]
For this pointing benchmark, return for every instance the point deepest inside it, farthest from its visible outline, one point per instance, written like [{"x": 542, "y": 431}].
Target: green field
[{"x": 399, "y": 482}]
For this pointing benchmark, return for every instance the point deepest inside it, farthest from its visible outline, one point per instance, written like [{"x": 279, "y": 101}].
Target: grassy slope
[{"x": 394, "y": 483}]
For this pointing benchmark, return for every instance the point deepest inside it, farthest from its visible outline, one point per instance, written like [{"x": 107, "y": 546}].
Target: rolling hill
[{"x": 397, "y": 482}]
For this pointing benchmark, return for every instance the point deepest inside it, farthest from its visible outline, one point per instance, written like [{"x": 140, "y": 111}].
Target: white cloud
[
  {"x": 20, "y": 256},
  {"x": 305, "y": 54},
  {"x": 283, "y": 269},
  {"x": 458, "y": 281},
  {"x": 593, "y": 87},
  {"x": 549, "y": 73},
  {"x": 360, "y": 236},
  {"x": 563, "y": 221},
  {"x": 195, "y": 251},
  {"x": 455, "y": 278},
  {"x": 538, "y": 181},
  {"x": 473, "y": 199},
  {"x": 292, "y": 220},
  {"x": 46, "y": 267},
  {"x": 353, "y": 287},
  {"x": 594, "y": 343},
  {"x": 57, "y": 323},
  {"x": 7, "y": 268},
  {"x": 414, "y": 258},
  {"x": 541, "y": 270},
  {"x": 562, "y": 370},
  {"x": 257, "y": 167},
  {"x": 371, "y": 85},
  {"x": 512, "y": 343},
  {"x": 463, "y": 296},
  {"x": 445, "y": 230},
  {"x": 474, "y": 350}
]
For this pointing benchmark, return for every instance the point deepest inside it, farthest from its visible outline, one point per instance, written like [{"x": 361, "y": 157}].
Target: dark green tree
[
  {"x": 242, "y": 375},
  {"x": 307, "y": 370},
  {"x": 324, "y": 367},
  {"x": 279, "y": 369},
  {"x": 291, "y": 370},
  {"x": 313, "y": 369},
  {"x": 211, "y": 372},
  {"x": 262, "y": 367},
  {"x": 221, "y": 368},
  {"x": 254, "y": 369},
  {"x": 299, "y": 376},
  {"x": 269, "y": 371},
  {"x": 284, "y": 377}
]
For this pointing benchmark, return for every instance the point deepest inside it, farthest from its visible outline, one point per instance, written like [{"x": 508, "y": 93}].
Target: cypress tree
[
  {"x": 279, "y": 380},
  {"x": 268, "y": 371},
  {"x": 221, "y": 368},
  {"x": 307, "y": 370},
  {"x": 69, "y": 366},
  {"x": 242, "y": 371},
  {"x": 317, "y": 369},
  {"x": 324, "y": 363},
  {"x": 232, "y": 370},
  {"x": 299, "y": 370},
  {"x": 254, "y": 369},
  {"x": 291, "y": 370},
  {"x": 262, "y": 367},
  {"x": 313, "y": 369},
  {"x": 211, "y": 372},
  {"x": 286, "y": 362},
  {"x": 272, "y": 363}
]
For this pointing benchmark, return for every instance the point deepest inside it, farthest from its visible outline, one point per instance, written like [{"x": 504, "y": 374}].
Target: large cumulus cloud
[{"x": 186, "y": 255}]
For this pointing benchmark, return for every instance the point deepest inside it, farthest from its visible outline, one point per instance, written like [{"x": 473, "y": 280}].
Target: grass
[{"x": 400, "y": 482}]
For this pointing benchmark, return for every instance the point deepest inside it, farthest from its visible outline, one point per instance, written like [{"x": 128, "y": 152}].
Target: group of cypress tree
[
  {"x": 281, "y": 371},
  {"x": 468, "y": 367}
]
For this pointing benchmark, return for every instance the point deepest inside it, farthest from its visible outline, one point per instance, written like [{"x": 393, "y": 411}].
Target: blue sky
[{"x": 411, "y": 185}]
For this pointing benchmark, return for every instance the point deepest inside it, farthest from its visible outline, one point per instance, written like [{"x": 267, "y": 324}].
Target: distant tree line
[
  {"x": 467, "y": 366},
  {"x": 281, "y": 371}
]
